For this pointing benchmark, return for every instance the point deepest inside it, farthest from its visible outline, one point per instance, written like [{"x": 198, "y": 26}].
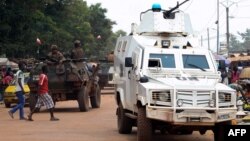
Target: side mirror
[
  {"x": 144, "y": 79},
  {"x": 222, "y": 64},
  {"x": 128, "y": 62}
]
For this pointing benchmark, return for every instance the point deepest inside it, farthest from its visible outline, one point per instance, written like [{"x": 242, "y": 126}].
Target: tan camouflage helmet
[
  {"x": 54, "y": 47},
  {"x": 77, "y": 43}
]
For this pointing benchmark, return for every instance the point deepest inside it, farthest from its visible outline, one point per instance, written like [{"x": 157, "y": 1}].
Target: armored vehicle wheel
[
  {"x": 144, "y": 126},
  {"x": 218, "y": 133},
  {"x": 83, "y": 100},
  {"x": 124, "y": 123},
  {"x": 95, "y": 98},
  {"x": 219, "y": 130}
]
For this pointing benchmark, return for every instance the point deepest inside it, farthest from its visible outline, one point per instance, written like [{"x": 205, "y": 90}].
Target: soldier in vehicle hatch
[
  {"x": 55, "y": 57},
  {"x": 77, "y": 51},
  {"x": 77, "y": 54}
]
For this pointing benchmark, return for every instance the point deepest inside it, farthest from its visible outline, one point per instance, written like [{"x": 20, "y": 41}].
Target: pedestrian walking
[
  {"x": 19, "y": 83},
  {"x": 43, "y": 97}
]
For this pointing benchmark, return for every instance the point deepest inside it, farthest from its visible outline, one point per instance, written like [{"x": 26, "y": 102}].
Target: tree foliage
[
  {"x": 53, "y": 22},
  {"x": 242, "y": 44}
]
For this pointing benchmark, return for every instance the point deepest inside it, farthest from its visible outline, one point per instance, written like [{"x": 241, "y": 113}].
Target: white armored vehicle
[{"x": 164, "y": 81}]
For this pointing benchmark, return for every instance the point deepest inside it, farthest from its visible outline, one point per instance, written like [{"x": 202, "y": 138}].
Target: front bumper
[{"x": 194, "y": 117}]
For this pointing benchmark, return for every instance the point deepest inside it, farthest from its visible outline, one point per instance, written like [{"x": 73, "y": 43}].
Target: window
[
  {"x": 195, "y": 61},
  {"x": 119, "y": 46},
  {"x": 161, "y": 60},
  {"x": 124, "y": 46}
]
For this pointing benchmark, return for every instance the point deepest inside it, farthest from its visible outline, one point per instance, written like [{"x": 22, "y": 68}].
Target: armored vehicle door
[{"x": 133, "y": 75}]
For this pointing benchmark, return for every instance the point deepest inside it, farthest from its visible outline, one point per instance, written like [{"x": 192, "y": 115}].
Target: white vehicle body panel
[{"x": 176, "y": 91}]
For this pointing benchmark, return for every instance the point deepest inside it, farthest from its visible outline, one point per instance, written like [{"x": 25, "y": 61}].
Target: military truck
[
  {"x": 69, "y": 82},
  {"x": 165, "y": 81}
]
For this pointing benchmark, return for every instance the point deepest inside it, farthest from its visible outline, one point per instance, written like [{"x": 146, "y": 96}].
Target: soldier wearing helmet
[
  {"x": 77, "y": 54},
  {"x": 77, "y": 51},
  {"x": 56, "y": 58},
  {"x": 55, "y": 55}
]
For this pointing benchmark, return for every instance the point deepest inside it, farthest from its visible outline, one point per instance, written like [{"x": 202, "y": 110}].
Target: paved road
[{"x": 95, "y": 125}]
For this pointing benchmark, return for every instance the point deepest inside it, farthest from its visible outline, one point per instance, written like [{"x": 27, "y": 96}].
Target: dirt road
[{"x": 95, "y": 125}]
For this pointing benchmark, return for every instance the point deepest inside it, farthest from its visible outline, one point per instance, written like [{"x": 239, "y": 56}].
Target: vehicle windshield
[
  {"x": 195, "y": 62},
  {"x": 162, "y": 60}
]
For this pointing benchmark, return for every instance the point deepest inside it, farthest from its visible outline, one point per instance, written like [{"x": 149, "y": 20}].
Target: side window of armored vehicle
[
  {"x": 195, "y": 61},
  {"x": 124, "y": 46},
  {"x": 135, "y": 59},
  {"x": 164, "y": 60},
  {"x": 119, "y": 46}
]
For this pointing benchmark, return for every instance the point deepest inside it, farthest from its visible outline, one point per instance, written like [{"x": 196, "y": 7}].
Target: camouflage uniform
[
  {"x": 56, "y": 58},
  {"x": 77, "y": 53}
]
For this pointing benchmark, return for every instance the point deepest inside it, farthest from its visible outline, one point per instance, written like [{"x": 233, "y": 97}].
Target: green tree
[
  {"x": 54, "y": 22},
  {"x": 246, "y": 39},
  {"x": 242, "y": 45},
  {"x": 235, "y": 45},
  {"x": 101, "y": 29}
]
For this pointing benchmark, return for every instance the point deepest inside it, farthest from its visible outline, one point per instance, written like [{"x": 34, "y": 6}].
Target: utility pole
[
  {"x": 228, "y": 34},
  {"x": 218, "y": 26},
  {"x": 227, "y": 21}
]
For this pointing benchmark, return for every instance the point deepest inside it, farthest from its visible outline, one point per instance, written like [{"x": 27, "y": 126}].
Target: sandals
[
  {"x": 54, "y": 119},
  {"x": 30, "y": 118}
]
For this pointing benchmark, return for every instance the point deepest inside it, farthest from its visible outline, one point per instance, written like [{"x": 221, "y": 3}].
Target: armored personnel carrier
[
  {"x": 164, "y": 80},
  {"x": 69, "y": 82}
]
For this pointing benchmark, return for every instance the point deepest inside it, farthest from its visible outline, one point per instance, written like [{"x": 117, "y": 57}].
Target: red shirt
[
  {"x": 7, "y": 79},
  {"x": 43, "y": 83}
]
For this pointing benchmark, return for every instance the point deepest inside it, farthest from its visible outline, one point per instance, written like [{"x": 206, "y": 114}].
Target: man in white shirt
[{"x": 19, "y": 92}]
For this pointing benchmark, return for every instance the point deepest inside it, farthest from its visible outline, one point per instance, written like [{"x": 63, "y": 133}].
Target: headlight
[
  {"x": 161, "y": 96},
  {"x": 221, "y": 96},
  {"x": 225, "y": 97},
  {"x": 211, "y": 103},
  {"x": 179, "y": 102}
]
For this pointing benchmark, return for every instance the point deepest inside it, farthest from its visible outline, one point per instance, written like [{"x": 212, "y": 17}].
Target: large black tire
[
  {"x": 124, "y": 123},
  {"x": 144, "y": 126},
  {"x": 219, "y": 130},
  {"x": 218, "y": 133},
  {"x": 83, "y": 100},
  {"x": 95, "y": 99}
]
